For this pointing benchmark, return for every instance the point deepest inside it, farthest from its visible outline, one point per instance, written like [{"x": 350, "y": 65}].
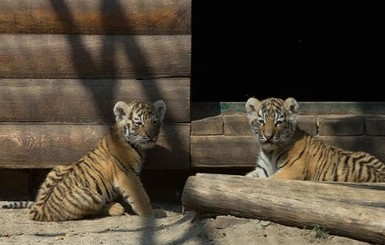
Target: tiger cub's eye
[{"x": 138, "y": 123}]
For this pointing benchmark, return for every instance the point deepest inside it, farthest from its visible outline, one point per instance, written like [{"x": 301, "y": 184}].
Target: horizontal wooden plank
[
  {"x": 238, "y": 124},
  {"x": 45, "y": 146},
  {"x": 96, "y": 17},
  {"x": 219, "y": 151},
  {"x": 207, "y": 109},
  {"x": 223, "y": 151},
  {"x": 94, "y": 56},
  {"x": 207, "y": 126},
  {"x": 58, "y": 100}
]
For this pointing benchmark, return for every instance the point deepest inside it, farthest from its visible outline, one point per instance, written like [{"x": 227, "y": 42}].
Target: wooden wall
[
  {"x": 64, "y": 64},
  {"x": 222, "y": 139}
]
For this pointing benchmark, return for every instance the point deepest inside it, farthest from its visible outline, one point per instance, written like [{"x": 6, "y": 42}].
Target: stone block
[
  {"x": 375, "y": 125},
  {"x": 236, "y": 125},
  {"x": 207, "y": 126},
  {"x": 340, "y": 125}
]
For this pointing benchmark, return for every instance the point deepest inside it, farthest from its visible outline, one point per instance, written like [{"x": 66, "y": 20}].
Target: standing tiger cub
[
  {"x": 90, "y": 186},
  {"x": 288, "y": 152}
]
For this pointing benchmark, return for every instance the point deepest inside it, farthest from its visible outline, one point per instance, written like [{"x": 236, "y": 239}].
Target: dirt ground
[{"x": 177, "y": 228}]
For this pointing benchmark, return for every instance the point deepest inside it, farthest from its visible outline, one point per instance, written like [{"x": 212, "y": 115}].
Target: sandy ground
[{"x": 177, "y": 228}]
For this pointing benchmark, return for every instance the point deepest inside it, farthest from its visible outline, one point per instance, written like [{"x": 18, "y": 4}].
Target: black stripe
[
  {"x": 322, "y": 163},
  {"x": 98, "y": 178},
  {"x": 52, "y": 208},
  {"x": 264, "y": 170}
]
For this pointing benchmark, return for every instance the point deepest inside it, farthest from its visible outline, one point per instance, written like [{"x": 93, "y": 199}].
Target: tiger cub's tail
[{"x": 18, "y": 205}]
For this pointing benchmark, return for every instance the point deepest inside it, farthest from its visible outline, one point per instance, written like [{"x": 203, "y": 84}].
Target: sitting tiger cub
[
  {"x": 288, "y": 152},
  {"x": 90, "y": 186}
]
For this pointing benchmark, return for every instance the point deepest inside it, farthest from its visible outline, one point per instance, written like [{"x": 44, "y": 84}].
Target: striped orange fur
[
  {"x": 288, "y": 152},
  {"x": 91, "y": 185}
]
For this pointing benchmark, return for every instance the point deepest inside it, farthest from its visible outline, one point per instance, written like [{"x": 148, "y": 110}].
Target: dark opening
[{"x": 334, "y": 53}]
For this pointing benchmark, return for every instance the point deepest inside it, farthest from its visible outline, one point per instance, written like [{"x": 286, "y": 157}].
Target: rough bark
[{"x": 353, "y": 210}]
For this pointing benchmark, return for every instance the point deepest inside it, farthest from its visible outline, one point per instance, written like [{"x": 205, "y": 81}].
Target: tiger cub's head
[
  {"x": 139, "y": 123},
  {"x": 273, "y": 121}
]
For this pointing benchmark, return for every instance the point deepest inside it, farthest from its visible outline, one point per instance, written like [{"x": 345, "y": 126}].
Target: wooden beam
[
  {"x": 95, "y": 17},
  {"x": 45, "y": 146},
  {"x": 353, "y": 210},
  {"x": 84, "y": 101},
  {"x": 94, "y": 56},
  {"x": 223, "y": 151}
]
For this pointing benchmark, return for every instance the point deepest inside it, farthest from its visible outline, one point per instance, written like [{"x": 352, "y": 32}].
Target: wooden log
[
  {"x": 45, "y": 146},
  {"x": 94, "y": 56},
  {"x": 353, "y": 210},
  {"x": 95, "y": 17},
  {"x": 85, "y": 101}
]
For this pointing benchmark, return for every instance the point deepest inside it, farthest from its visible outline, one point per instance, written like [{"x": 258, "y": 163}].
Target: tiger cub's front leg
[{"x": 132, "y": 190}]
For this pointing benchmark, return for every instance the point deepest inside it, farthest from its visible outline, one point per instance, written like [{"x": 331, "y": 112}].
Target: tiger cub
[
  {"x": 90, "y": 186},
  {"x": 288, "y": 152}
]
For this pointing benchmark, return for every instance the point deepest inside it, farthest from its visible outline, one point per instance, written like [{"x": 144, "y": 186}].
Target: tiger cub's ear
[
  {"x": 120, "y": 111},
  {"x": 252, "y": 106},
  {"x": 291, "y": 105},
  {"x": 160, "y": 107}
]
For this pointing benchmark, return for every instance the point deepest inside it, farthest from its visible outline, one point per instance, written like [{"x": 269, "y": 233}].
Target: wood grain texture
[
  {"x": 223, "y": 151},
  {"x": 96, "y": 17},
  {"x": 354, "y": 210},
  {"x": 44, "y": 146},
  {"x": 94, "y": 56},
  {"x": 71, "y": 100}
]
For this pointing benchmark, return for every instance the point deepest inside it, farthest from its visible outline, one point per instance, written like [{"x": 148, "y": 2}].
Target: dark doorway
[{"x": 334, "y": 53}]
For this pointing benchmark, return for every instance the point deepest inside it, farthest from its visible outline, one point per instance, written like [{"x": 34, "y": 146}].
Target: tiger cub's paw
[
  {"x": 114, "y": 209},
  {"x": 159, "y": 213},
  {"x": 252, "y": 174},
  {"x": 257, "y": 173}
]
